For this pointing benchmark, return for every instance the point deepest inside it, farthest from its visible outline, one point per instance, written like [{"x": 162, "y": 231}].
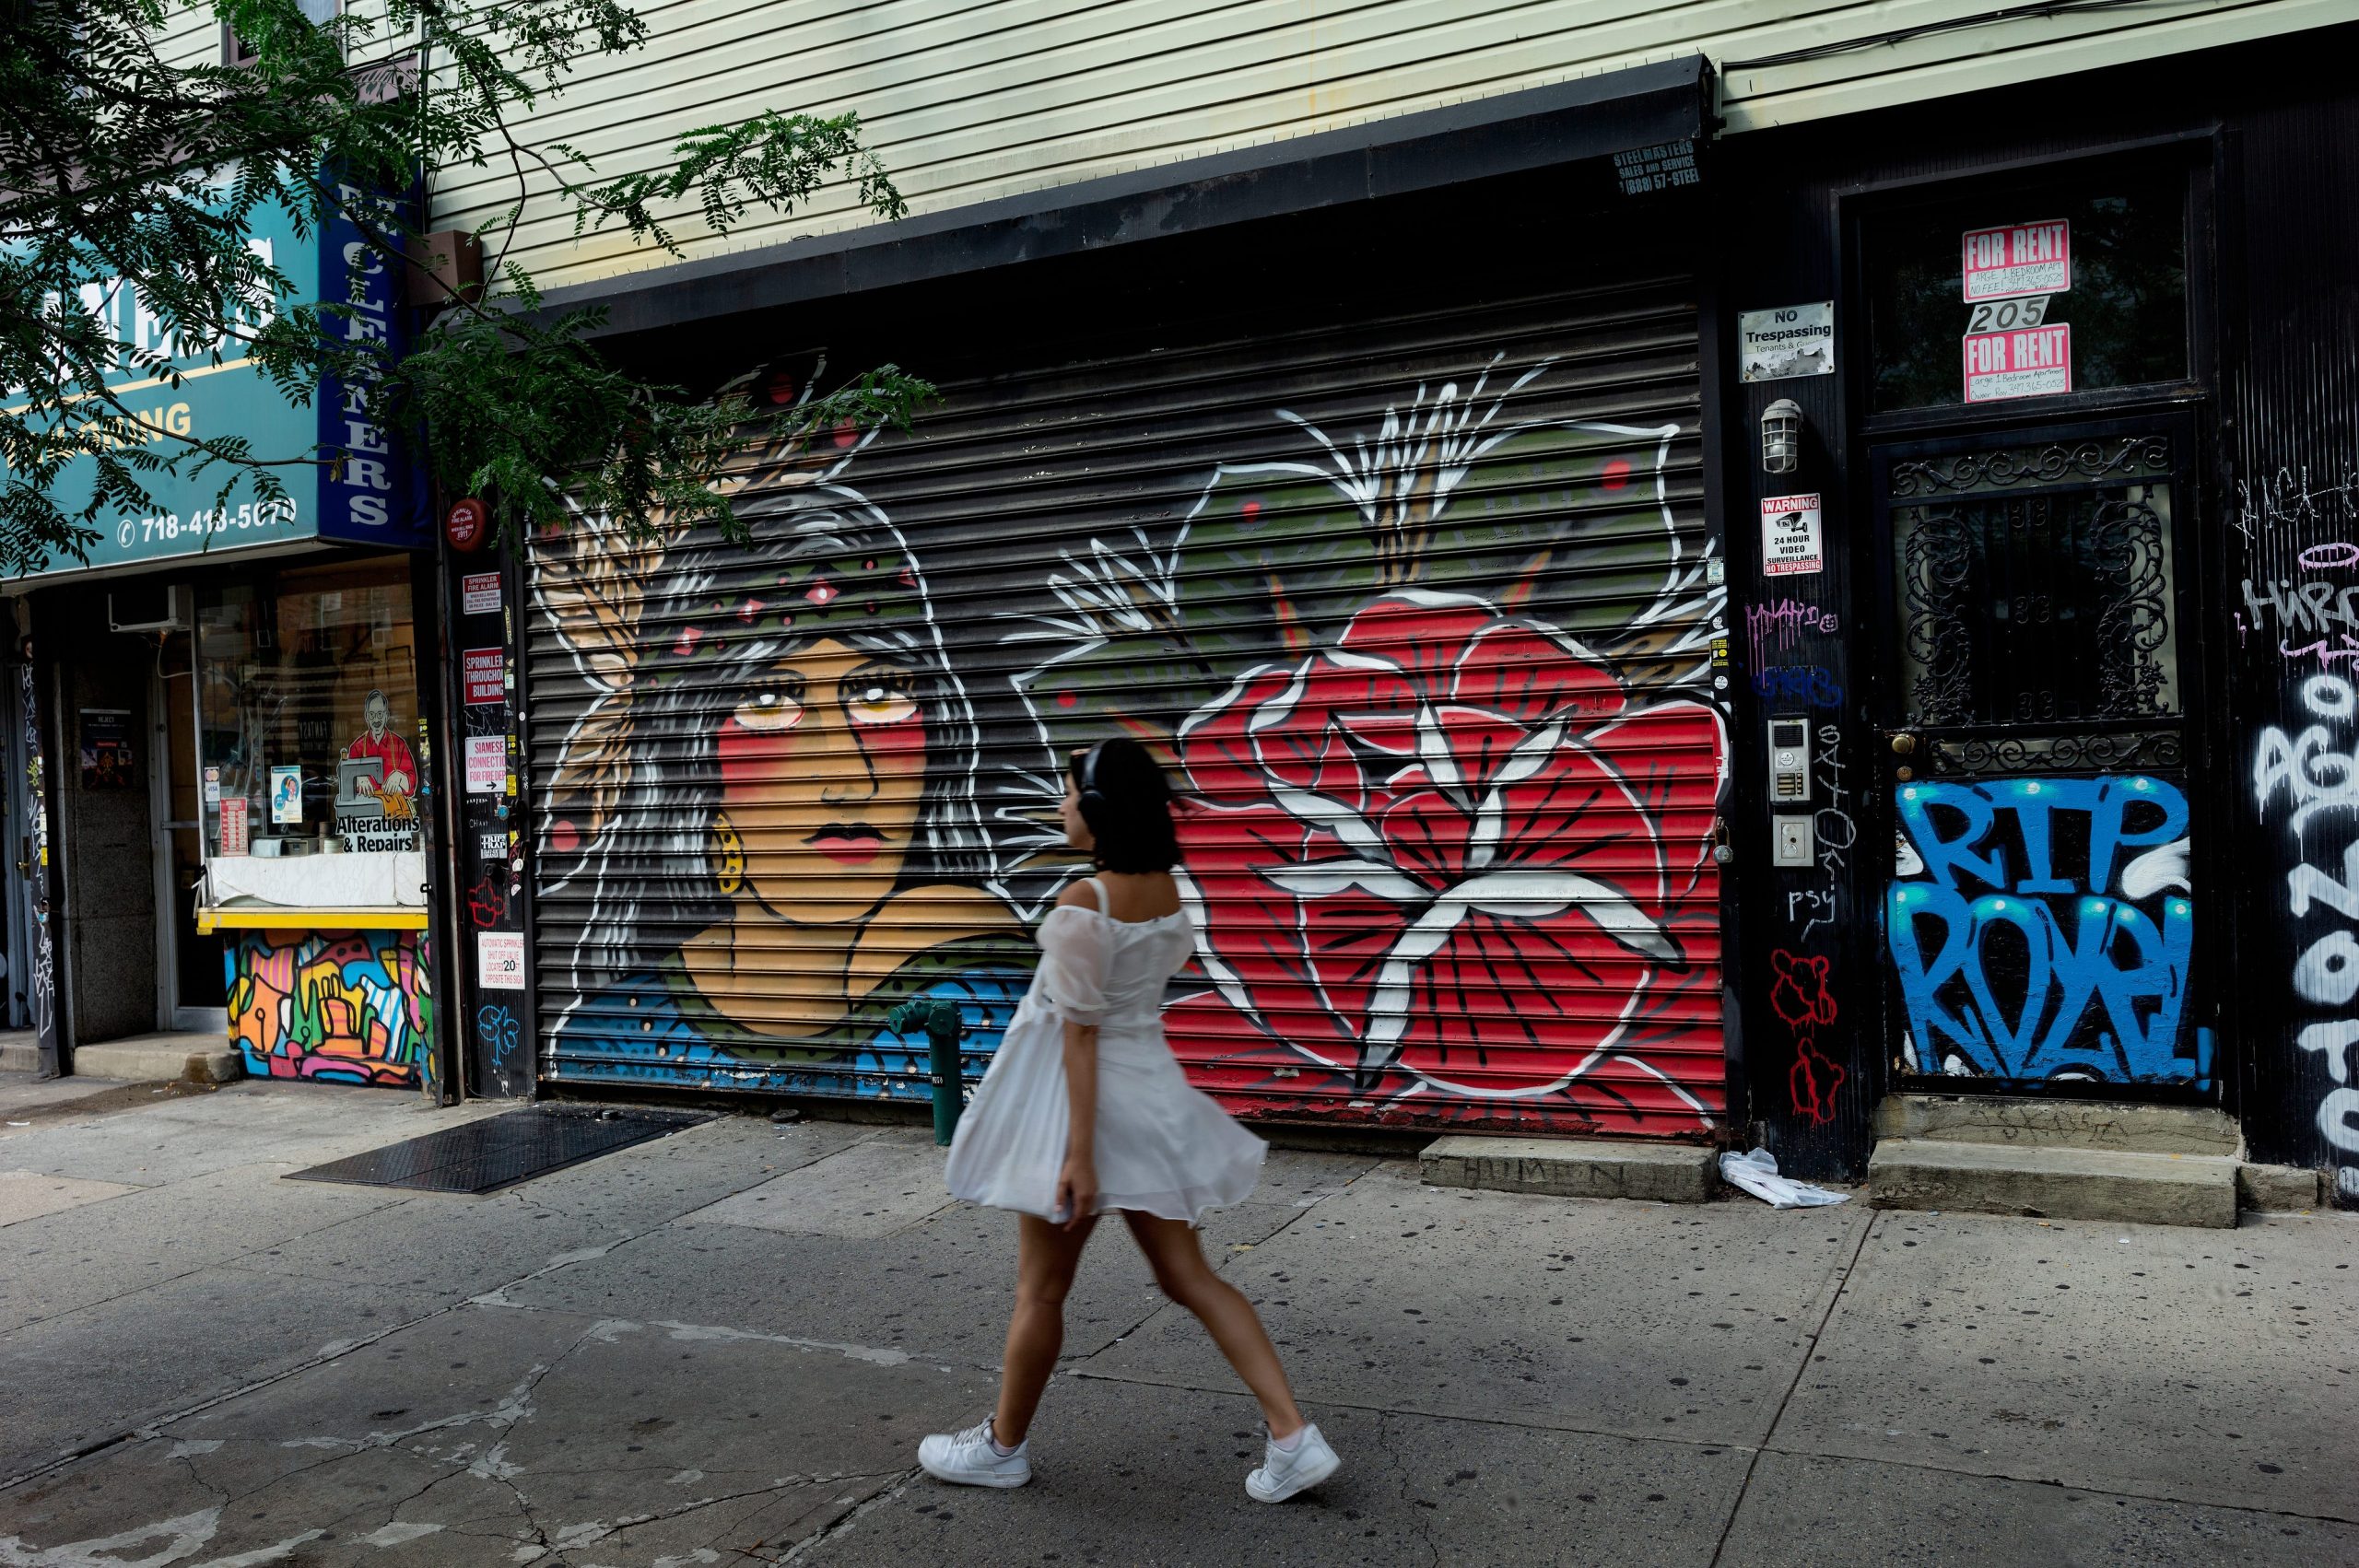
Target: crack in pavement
[
  {"x": 1385, "y": 1421},
  {"x": 851, "y": 1516},
  {"x": 221, "y": 1495},
  {"x": 1802, "y": 1368},
  {"x": 782, "y": 1485}
]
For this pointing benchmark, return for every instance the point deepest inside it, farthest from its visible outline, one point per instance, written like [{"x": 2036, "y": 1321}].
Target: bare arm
[{"x": 1077, "y": 1183}]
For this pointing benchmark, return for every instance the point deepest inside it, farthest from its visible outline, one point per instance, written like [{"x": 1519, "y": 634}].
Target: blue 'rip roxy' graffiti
[{"x": 2023, "y": 952}]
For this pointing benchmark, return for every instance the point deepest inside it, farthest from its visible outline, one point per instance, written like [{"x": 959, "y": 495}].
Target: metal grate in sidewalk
[{"x": 501, "y": 1151}]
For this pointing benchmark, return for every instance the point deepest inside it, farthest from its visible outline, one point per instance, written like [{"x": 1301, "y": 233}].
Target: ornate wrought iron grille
[
  {"x": 2053, "y": 462},
  {"x": 2116, "y": 751},
  {"x": 2036, "y": 607}
]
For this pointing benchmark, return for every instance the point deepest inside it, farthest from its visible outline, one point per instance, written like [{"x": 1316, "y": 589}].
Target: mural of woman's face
[{"x": 822, "y": 772}]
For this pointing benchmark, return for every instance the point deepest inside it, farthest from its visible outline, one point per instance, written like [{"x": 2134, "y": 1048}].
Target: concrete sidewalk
[{"x": 721, "y": 1348}]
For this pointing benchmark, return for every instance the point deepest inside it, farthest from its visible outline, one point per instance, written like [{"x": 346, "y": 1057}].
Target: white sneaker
[
  {"x": 967, "y": 1459},
  {"x": 1283, "y": 1474}
]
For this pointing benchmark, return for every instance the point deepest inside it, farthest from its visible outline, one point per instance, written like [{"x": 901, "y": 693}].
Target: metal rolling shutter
[{"x": 1419, "y": 611}]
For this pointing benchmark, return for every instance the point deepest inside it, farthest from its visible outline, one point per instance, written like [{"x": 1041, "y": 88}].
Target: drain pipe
[{"x": 943, "y": 1029}]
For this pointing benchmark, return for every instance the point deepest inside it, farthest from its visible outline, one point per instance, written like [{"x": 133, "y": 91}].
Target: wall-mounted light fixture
[{"x": 1781, "y": 436}]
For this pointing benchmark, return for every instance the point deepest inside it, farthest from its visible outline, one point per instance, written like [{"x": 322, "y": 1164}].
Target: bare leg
[
  {"x": 1180, "y": 1268},
  {"x": 1045, "y": 1258}
]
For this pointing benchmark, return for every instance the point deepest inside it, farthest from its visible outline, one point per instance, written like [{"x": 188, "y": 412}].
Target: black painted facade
[{"x": 2204, "y": 507}]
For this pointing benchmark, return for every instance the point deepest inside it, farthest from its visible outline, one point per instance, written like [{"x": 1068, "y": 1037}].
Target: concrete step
[
  {"x": 1572, "y": 1167},
  {"x": 2280, "y": 1188},
  {"x": 145, "y": 1058},
  {"x": 19, "y": 1051},
  {"x": 2054, "y": 1184},
  {"x": 2043, "y": 1123}
]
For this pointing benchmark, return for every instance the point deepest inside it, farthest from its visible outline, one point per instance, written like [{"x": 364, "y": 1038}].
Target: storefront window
[
  {"x": 308, "y": 692},
  {"x": 2026, "y": 290}
]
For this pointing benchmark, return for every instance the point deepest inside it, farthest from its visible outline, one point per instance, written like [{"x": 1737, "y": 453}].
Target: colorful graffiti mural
[
  {"x": 1449, "y": 850},
  {"x": 1438, "y": 689},
  {"x": 780, "y": 769},
  {"x": 2042, "y": 929},
  {"x": 348, "y": 1007}
]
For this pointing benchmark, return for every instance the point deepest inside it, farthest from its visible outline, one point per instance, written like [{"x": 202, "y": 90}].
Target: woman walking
[{"x": 1083, "y": 1110}]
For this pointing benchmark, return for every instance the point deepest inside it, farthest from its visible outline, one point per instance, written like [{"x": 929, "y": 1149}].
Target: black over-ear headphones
[{"x": 1089, "y": 790}]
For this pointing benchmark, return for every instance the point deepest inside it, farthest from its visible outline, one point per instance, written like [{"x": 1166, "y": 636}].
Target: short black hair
[{"x": 1126, "y": 801}]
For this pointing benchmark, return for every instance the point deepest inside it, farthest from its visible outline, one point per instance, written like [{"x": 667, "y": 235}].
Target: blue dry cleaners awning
[{"x": 346, "y": 480}]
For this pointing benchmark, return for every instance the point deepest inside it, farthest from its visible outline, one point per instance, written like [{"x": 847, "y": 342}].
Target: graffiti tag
[
  {"x": 487, "y": 900},
  {"x": 2041, "y": 928},
  {"x": 496, "y": 1027},
  {"x": 2314, "y": 776},
  {"x": 1833, "y": 831},
  {"x": 1779, "y": 625},
  {"x": 1808, "y": 685},
  {"x": 2322, "y": 612},
  {"x": 2291, "y": 499},
  {"x": 2315, "y": 770},
  {"x": 1801, "y": 997}
]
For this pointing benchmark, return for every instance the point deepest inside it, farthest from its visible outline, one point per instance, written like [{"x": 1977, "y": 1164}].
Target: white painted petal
[
  {"x": 1279, "y": 708},
  {"x": 1321, "y": 878},
  {"x": 1433, "y": 750},
  {"x": 1317, "y": 812},
  {"x": 1526, "y": 759},
  {"x": 1535, "y": 896},
  {"x": 1388, "y": 1009}
]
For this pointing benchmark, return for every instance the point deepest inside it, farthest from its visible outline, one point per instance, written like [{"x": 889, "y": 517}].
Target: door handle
[{"x": 1904, "y": 744}]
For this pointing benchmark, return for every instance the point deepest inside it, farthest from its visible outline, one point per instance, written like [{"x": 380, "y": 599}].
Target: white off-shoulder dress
[{"x": 1163, "y": 1146}]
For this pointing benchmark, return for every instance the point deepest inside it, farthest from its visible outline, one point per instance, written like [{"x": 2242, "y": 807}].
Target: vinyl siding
[
  {"x": 970, "y": 102},
  {"x": 190, "y": 37}
]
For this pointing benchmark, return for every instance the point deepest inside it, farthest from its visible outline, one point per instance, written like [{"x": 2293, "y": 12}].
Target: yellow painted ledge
[{"x": 276, "y": 919}]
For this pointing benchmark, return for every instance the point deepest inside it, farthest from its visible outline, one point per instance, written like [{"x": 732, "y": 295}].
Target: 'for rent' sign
[
  {"x": 2016, "y": 258},
  {"x": 2034, "y": 363}
]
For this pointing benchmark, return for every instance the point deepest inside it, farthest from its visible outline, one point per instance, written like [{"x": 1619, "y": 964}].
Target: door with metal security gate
[
  {"x": 2040, "y": 922},
  {"x": 1417, "y": 611}
]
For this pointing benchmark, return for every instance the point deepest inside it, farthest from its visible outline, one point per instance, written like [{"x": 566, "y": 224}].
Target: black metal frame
[
  {"x": 2180, "y": 407},
  {"x": 1715, "y": 336},
  {"x": 56, "y": 1033},
  {"x": 447, "y": 1040},
  {"x": 2197, "y": 155},
  {"x": 516, "y": 606},
  {"x": 2178, "y": 424}
]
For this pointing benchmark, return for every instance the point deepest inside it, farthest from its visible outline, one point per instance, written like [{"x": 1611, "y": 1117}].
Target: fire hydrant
[{"x": 943, "y": 1029}]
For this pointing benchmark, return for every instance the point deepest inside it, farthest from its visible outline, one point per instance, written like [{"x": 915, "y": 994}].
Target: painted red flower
[{"x": 1447, "y": 852}]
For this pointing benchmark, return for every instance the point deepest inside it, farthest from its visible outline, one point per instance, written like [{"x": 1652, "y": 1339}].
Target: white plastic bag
[{"x": 1757, "y": 1174}]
